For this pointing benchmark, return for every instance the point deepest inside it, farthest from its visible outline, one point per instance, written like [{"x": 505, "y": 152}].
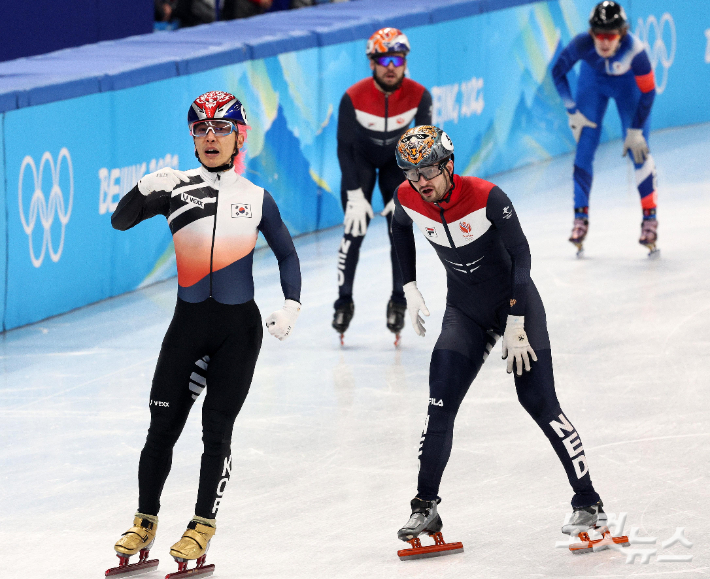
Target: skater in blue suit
[{"x": 615, "y": 64}]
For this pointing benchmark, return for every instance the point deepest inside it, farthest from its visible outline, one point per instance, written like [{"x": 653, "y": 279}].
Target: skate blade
[
  {"x": 397, "y": 340},
  {"x": 588, "y": 545},
  {"x": 132, "y": 570},
  {"x": 580, "y": 249},
  {"x": 432, "y": 551},
  {"x": 654, "y": 253},
  {"x": 342, "y": 339},
  {"x": 438, "y": 549},
  {"x": 204, "y": 571}
]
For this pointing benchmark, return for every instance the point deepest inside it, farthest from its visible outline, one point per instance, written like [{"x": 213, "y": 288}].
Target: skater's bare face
[
  {"x": 215, "y": 150},
  {"x": 389, "y": 75},
  {"x": 606, "y": 42},
  {"x": 436, "y": 188}
]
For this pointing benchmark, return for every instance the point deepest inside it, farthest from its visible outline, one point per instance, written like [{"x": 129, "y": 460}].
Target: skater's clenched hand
[
  {"x": 516, "y": 347},
  {"x": 281, "y": 322},
  {"x": 577, "y": 121},
  {"x": 415, "y": 304},
  {"x": 357, "y": 210},
  {"x": 164, "y": 179}
]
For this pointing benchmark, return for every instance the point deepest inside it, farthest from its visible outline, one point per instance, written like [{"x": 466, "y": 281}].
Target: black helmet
[{"x": 608, "y": 15}]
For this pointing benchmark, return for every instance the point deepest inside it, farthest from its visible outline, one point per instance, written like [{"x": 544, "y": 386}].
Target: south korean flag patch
[{"x": 241, "y": 210}]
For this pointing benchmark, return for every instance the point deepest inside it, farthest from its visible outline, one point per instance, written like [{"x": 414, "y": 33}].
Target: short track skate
[
  {"x": 649, "y": 237},
  {"x": 653, "y": 251},
  {"x": 580, "y": 250},
  {"x": 200, "y": 569},
  {"x": 342, "y": 316},
  {"x": 126, "y": 569},
  {"x": 395, "y": 319},
  {"x": 587, "y": 545},
  {"x": 579, "y": 232},
  {"x": 438, "y": 549}
]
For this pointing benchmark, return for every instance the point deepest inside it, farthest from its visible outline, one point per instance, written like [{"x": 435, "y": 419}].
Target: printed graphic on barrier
[{"x": 44, "y": 207}]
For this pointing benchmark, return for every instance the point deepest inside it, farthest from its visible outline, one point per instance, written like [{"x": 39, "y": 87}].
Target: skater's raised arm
[{"x": 150, "y": 197}]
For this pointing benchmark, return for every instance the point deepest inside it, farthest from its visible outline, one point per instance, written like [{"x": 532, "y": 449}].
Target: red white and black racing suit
[{"x": 370, "y": 123}]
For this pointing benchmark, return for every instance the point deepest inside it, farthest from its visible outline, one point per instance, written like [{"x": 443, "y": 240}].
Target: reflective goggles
[
  {"x": 394, "y": 59},
  {"x": 427, "y": 172},
  {"x": 219, "y": 127},
  {"x": 599, "y": 35}
]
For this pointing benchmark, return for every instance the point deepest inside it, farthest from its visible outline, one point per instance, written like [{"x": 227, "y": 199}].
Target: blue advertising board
[{"x": 489, "y": 75}]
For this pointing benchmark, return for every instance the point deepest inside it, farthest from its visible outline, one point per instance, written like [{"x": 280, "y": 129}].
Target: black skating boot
[
  {"x": 395, "y": 316},
  {"x": 344, "y": 312}
]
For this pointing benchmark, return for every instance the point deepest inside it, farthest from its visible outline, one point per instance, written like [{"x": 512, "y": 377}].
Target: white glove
[
  {"x": 281, "y": 322},
  {"x": 356, "y": 211},
  {"x": 389, "y": 208},
  {"x": 577, "y": 121},
  {"x": 415, "y": 303},
  {"x": 164, "y": 179},
  {"x": 516, "y": 346},
  {"x": 636, "y": 143}
]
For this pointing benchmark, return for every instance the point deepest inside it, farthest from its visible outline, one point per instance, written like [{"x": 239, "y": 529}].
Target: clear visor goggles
[
  {"x": 219, "y": 128},
  {"x": 427, "y": 172}
]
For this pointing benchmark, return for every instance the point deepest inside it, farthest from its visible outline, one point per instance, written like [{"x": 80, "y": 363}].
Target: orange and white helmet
[{"x": 387, "y": 40}]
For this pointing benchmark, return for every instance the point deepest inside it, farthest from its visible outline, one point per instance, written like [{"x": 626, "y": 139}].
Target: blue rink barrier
[{"x": 81, "y": 126}]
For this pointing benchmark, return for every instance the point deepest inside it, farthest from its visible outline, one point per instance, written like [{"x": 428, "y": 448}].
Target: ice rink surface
[{"x": 325, "y": 449}]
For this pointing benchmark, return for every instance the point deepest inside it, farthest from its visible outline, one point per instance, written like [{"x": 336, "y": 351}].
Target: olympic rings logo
[
  {"x": 658, "y": 50},
  {"x": 46, "y": 210}
]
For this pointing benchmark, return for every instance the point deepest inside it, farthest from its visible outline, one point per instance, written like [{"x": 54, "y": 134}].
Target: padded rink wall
[{"x": 80, "y": 126}]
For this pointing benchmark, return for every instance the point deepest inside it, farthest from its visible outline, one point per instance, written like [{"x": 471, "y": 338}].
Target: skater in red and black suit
[
  {"x": 474, "y": 229},
  {"x": 373, "y": 115},
  {"x": 215, "y": 216}
]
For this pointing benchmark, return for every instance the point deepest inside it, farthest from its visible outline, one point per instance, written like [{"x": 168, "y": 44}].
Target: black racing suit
[
  {"x": 477, "y": 236},
  {"x": 370, "y": 124},
  {"x": 215, "y": 220}
]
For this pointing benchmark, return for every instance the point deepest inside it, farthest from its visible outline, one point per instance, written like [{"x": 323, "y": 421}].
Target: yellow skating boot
[
  {"x": 193, "y": 547},
  {"x": 138, "y": 539}
]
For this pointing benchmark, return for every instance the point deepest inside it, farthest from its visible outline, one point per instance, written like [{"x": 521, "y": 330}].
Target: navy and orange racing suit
[{"x": 215, "y": 220}]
